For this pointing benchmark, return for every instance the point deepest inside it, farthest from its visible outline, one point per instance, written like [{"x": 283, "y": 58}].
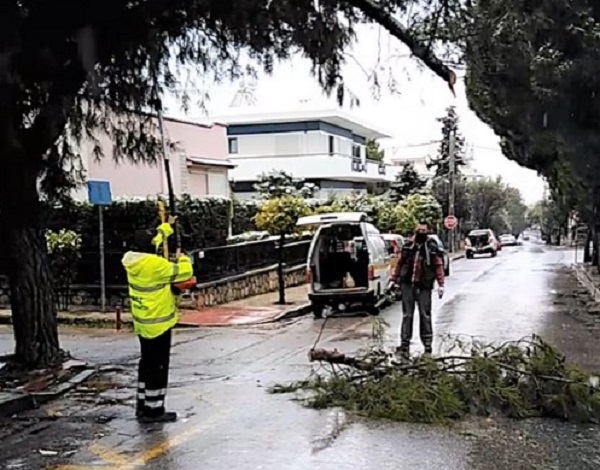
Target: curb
[
  {"x": 19, "y": 401},
  {"x": 296, "y": 312},
  {"x": 586, "y": 281},
  {"x": 457, "y": 257}
]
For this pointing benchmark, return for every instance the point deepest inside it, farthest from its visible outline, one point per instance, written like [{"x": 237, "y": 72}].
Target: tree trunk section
[
  {"x": 587, "y": 252},
  {"x": 32, "y": 301},
  {"x": 280, "y": 275}
]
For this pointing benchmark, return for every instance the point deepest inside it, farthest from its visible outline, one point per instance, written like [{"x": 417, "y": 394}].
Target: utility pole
[{"x": 451, "y": 171}]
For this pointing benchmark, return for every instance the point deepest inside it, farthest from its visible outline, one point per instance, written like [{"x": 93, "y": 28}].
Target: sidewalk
[{"x": 251, "y": 311}]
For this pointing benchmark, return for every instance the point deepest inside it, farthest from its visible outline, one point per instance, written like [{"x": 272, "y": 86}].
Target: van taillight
[
  {"x": 371, "y": 272},
  {"x": 308, "y": 276}
]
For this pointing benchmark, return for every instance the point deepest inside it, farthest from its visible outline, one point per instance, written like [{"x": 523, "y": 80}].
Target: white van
[{"x": 347, "y": 263}]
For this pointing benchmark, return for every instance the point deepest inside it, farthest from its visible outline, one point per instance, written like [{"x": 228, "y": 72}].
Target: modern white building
[{"x": 325, "y": 147}]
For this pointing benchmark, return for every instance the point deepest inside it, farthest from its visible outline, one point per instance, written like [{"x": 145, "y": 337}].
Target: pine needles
[{"x": 519, "y": 379}]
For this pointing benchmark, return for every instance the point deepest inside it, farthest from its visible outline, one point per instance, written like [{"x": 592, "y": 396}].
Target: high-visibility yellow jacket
[{"x": 153, "y": 304}]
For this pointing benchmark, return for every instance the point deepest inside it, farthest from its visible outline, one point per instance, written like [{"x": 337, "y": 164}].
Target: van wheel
[
  {"x": 494, "y": 254},
  {"x": 317, "y": 310},
  {"x": 469, "y": 255}
]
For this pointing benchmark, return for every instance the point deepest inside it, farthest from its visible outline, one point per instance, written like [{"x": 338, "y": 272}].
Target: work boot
[
  {"x": 403, "y": 352},
  {"x": 166, "y": 417},
  {"x": 428, "y": 351}
]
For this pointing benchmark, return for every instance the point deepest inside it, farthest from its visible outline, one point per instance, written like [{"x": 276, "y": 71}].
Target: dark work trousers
[
  {"x": 411, "y": 296},
  {"x": 153, "y": 374}
]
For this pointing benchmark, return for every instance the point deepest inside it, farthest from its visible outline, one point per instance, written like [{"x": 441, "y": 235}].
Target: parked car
[
  {"x": 508, "y": 240},
  {"x": 445, "y": 255},
  {"x": 393, "y": 245},
  {"x": 481, "y": 241},
  {"x": 347, "y": 263}
]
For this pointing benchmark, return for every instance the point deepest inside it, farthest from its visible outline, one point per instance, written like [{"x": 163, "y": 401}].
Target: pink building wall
[{"x": 206, "y": 142}]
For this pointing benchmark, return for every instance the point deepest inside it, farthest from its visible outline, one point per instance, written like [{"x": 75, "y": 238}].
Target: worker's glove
[{"x": 440, "y": 292}]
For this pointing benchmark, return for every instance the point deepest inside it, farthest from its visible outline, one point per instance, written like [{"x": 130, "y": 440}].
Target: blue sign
[{"x": 99, "y": 193}]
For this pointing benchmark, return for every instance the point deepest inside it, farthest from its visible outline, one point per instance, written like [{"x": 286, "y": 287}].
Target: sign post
[
  {"x": 450, "y": 223},
  {"x": 99, "y": 194}
]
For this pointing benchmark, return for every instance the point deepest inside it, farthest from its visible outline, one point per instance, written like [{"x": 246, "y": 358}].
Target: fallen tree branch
[{"x": 519, "y": 379}]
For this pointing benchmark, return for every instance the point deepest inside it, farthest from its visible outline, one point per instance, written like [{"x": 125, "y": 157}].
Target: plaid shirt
[{"x": 417, "y": 271}]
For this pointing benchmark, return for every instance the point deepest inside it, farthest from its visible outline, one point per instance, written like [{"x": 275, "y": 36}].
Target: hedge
[{"x": 204, "y": 222}]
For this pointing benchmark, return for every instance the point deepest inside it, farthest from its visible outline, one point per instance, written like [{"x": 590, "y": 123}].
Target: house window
[
  {"x": 331, "y": 145},
  {"x": 233, "y": 145},
  {"x": 356, "y": 151}
]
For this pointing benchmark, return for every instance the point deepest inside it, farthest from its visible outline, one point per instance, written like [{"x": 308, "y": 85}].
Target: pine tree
[
  {"x": 441, "y": 164},
  {"x": 407, "y": 182}
]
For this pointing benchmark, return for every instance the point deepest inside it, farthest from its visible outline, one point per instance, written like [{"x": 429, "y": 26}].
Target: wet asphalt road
[{"x": 219, "y": 380}]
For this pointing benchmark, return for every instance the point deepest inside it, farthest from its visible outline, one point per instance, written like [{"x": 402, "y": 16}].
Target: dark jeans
[
  {"x": 412, "y": 296},
  {"x": 153, "y": 374}
]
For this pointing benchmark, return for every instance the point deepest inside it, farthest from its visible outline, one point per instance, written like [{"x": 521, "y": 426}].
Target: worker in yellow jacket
[{"x": 151, "y": 280}]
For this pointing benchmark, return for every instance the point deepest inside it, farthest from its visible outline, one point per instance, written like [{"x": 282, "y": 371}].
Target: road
[{"x": 220, "y": 376}]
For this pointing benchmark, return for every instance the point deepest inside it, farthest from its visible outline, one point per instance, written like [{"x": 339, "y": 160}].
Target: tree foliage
[
  {"x": 533, "y": 77},
  {"x": 407, "y": 182},
  {"x": 418, "y": 208},
  {"x": 278, "y": 183},
  {"x": 278, "y": 215},
  {"x": 518, "y": 379},
  {"x": 450, "y": 125},
  {"x": 374, "y": 152},
  {"x": 488, "y": 204},
  {"x": 440, "y": 188}
]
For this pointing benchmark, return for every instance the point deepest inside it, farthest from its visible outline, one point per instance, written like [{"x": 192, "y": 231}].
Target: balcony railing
[{"x": 358, "y": 165}]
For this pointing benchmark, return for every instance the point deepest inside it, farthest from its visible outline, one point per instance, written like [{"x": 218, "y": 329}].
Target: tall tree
[
  {"x": 450, "y": 125},
  {"x": 407, "y": 182},
  {"x": 534, "y": 77},
  {"x": 73, "y": 69},
  {"x": 516, "y": 211},
  {"x": 488, "y": 203}
]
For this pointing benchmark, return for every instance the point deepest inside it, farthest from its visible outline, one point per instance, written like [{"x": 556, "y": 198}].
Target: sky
[{"x": 409, "y": 114}]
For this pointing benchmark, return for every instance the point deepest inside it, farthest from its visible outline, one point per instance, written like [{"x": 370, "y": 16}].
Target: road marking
[
  {"x": 118, "y": 461},
  {"x": 109, "y": 455}
]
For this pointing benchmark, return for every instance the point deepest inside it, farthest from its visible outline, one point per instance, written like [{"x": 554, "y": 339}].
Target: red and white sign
[{"x": 450, "y": 222}]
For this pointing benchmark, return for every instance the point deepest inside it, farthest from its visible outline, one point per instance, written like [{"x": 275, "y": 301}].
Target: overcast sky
[{"x": 409, "y": 115}]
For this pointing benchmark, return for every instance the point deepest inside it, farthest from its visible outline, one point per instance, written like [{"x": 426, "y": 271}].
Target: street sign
[
  {"x": 99, "y": 193},
  {"x": 450, "y": 222}
]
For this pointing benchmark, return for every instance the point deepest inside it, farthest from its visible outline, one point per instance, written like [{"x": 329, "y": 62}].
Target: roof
[
  {"x": 211, "y": 162},
  {"x": 337, "y": 117},
  {"x": 332, "y": 218}
]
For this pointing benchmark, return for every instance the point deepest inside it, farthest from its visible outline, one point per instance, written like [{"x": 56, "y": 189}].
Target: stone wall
[{"x": 260, "y": 281}]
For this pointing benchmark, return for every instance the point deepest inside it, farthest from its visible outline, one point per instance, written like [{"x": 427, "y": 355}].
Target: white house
[{"x": 325, "y": 147}]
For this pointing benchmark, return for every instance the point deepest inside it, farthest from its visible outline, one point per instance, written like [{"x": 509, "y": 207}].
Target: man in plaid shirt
[{"x": 420, "y": 265}]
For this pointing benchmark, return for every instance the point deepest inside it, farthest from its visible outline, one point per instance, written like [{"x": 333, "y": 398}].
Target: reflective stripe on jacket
[{"x": 153, "y": 304}]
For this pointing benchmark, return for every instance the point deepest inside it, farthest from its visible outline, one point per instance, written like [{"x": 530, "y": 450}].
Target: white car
[{"x": 508, "y": 240}]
